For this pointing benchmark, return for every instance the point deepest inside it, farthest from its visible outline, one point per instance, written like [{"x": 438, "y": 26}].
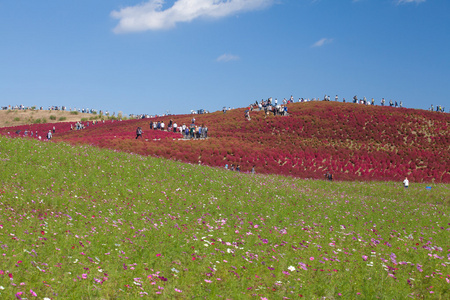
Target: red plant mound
[{"x": 351, "y": 141}]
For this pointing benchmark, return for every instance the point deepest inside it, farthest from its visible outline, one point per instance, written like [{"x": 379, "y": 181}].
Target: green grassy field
[{"x": 84, "y": 223}]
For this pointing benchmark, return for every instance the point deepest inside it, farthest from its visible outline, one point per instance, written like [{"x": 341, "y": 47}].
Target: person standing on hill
[
  {"x": 406, "y": 182},
  {"x": 138, "y": 132}
]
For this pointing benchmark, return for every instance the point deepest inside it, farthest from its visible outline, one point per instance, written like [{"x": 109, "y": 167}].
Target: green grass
[{"x": 84, "y": 223}]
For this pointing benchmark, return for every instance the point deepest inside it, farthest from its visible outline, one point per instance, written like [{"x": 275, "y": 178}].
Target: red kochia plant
[{"x": 354, "y": 142}]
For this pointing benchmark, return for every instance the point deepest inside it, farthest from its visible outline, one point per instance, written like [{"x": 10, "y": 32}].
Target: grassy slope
[{"x": 79, "y": 222}]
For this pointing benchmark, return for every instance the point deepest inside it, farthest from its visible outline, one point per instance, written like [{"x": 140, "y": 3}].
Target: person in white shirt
[{"x": 406, "y": 182}]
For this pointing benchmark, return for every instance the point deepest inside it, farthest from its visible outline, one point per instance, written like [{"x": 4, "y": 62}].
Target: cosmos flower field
[{"x": 79, "y": 222}]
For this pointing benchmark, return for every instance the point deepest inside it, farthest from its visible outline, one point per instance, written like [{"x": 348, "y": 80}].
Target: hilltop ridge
[{"x": 16, "y": 117}]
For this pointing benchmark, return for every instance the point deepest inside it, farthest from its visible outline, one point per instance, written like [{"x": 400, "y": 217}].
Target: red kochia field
[{"x": 354, "y": 142}]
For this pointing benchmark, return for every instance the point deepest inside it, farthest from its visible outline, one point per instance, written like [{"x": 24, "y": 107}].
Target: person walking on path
[{"x": 406, "y": 182}]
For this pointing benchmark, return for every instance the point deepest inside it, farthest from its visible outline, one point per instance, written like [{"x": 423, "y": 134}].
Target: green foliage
[
  {"x": 52, "y": 117},
  {"x": 16, "y": 119},
  {"x": 62, "y": 119},
  {"x": 80, "y": 222},
  {"x": 37, "y": 121},
  {"x": 84, "y": 119},
  {"x": 74, "y": 113}
]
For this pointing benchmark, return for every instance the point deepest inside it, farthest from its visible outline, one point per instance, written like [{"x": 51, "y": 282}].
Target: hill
[
  {"x": 353, "y": 142},
  {"x": 78, "y": 222},
  {"x": 10, "y": 118}
]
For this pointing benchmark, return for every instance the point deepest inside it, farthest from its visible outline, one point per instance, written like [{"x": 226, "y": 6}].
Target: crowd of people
[
  {"x": 269, "y": 108},
  {"x": 237, "y": 168},
  {"x": 192, "y": 131},
  {"x": 273, "y": 106},
  {"x": 439, "y": 108}
]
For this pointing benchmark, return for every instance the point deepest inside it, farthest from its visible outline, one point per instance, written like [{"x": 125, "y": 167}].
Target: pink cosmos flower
[
  {"x": 311, "y": 258},
  {"x": 33, "y": 293}
]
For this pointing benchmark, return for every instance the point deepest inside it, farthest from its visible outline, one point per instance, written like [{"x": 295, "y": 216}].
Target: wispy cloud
[
  {"x": 410, "y": 1},
  {"x": 322, "y": 42},
  {"x": 227, "y": 57},
  {"x": 151, "y": 16}
]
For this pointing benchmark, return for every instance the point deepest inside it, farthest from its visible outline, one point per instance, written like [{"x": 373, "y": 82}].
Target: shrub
[
  {"x": 62, "y": 119},
  {"x": 52, "y": 117},
  {"x": 74, "y": 113},
  {"x": 37, "y": 121},
  {"x": 16, "y": 119},
  {"x": 84, "y": 119}
]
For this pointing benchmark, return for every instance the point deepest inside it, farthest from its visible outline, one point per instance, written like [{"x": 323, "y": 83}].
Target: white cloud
[
  {"x": 322, "y": 42},
  {"x": 151, "y": 16},
  {"x": 227, "y": 57},
  {"x": 410, "y": 1}
]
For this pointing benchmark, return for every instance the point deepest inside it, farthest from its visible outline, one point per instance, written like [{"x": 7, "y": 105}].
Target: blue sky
[{"x": 181, "y": 55}]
